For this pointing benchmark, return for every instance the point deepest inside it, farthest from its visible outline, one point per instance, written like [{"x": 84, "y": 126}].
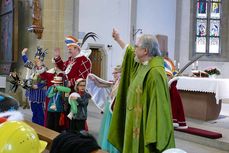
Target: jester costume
[
  {"x": 141, "y": 121},
  {"x": 36, "y": 96}
]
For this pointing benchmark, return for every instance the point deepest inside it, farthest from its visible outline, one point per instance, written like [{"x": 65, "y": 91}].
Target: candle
[
  {"x": 197, "y": 65},
  {"x": 175, "y": 63},
  {"x": 193, "y": 66},
  {"x": 178, "y": 65}
]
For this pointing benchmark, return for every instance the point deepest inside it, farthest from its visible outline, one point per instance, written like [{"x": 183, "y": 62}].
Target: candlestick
[
  {"x": 193, "y": 66},
  {"x": 197, "y": 65},
  {"x": 178, "y": 66}
]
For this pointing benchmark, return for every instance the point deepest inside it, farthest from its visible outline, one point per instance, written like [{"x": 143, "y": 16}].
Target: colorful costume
[
  {"x": 36, "y": 96},
  {"x": 74, "y": 68},
  {"x": 103, "y": 96},
  {"x": 141, "y": 121}
]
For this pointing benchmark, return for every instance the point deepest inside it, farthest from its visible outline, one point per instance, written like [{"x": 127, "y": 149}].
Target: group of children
[{"x": 61, "y": 104}]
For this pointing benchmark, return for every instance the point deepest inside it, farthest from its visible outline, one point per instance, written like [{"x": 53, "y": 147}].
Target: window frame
[{"x": 221, "y": 56}]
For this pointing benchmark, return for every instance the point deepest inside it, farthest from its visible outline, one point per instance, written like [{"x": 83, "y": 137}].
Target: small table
[{"x": 201, "y": 97}]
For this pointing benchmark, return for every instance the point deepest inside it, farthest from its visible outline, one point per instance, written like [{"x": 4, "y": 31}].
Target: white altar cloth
[{"x": 209, "y": 85}]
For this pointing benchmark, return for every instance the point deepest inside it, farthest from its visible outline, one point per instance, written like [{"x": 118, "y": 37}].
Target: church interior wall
[
  {"x": 158, "y": 17},
  {"x": 151, "y": 18}
]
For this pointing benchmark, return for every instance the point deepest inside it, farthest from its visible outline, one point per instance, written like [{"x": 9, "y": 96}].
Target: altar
[{"x": 202, "y": 97}]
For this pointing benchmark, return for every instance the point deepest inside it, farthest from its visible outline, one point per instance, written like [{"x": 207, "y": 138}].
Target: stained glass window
[
  {"x": 201, "y": 27},
  {"x": 207, "y": 23},
  {"x": 200, "y": 44}
]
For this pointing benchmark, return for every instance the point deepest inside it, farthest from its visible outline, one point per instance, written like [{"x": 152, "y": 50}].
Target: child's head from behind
[
  {"x": 80, "y": 85},
  {"x": 77, "y": 142}
]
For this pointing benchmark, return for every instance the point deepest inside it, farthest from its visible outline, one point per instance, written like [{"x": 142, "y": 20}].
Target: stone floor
[{"x": 187, "y": 142}]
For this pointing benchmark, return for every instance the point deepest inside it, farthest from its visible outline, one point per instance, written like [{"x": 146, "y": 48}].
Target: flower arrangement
[
  {"x": 212, "y": 71},
  {"x": 200, "y": 73}
]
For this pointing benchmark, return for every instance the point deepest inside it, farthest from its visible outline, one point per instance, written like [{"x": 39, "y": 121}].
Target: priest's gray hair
[{"x": 150, "y": 42}]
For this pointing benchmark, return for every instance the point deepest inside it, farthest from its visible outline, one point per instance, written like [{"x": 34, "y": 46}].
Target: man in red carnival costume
[{"x": 77, "y": 66}]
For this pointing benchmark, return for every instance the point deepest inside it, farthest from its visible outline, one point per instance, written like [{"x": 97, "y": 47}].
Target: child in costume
[
  {"x": 37, "y": 92},
  {"x": 103, "y": 94},
  {"x": 55, "y": 105},
  {"x": 78, "y": 101}
]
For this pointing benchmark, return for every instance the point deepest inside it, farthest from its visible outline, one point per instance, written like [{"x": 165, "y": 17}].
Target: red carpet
[{"x": 200, "y": 132}]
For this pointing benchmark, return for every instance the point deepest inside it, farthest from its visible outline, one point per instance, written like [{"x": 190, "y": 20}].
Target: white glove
[{"x": 70, "y": 115}]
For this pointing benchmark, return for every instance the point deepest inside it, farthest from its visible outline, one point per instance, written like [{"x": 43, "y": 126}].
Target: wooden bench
[{"x": 44, "y": 133}]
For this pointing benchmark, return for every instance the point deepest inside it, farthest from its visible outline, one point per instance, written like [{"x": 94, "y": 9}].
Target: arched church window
[{"x": 207, "y": 25}]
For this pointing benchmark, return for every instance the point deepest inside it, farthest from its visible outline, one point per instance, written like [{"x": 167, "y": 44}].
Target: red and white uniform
[{"x": 74, "y": 68}]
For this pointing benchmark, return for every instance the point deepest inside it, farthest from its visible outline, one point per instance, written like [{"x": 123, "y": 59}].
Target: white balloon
[{"x": 174, "y": 150}]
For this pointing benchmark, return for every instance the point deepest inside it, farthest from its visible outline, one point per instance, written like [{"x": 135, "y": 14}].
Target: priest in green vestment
[{"x": 142, "y": 121}]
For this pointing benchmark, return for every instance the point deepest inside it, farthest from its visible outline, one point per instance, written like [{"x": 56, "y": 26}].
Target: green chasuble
[{"x": 141, "y": 121}]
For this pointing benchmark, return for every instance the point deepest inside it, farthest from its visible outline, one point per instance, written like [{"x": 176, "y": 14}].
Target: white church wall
[
  {"x": 101, "y": 17},
  {"x": 155, "y": 17},
  {"x": 158, "y": 17}
]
